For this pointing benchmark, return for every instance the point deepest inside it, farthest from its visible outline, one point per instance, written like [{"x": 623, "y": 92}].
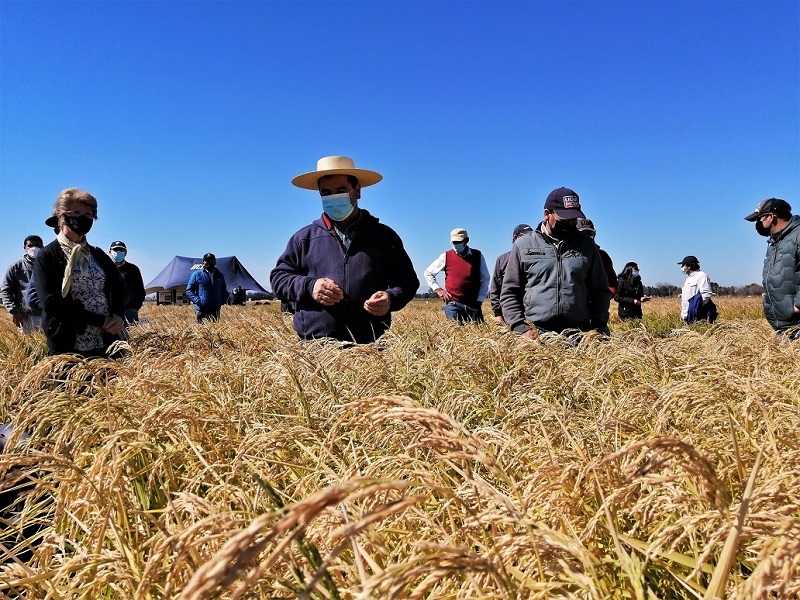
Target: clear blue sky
[{"x": 187, "y": 120}]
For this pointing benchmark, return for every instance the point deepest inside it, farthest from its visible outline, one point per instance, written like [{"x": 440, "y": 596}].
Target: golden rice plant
[{"x": 232, "y": 460}]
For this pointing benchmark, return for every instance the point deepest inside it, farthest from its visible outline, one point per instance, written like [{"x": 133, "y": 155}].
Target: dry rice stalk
[{"x": 241, "y": 550}]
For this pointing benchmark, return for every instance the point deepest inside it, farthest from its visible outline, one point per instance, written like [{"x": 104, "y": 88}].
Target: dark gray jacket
[
  {"x": 555, "y": 284},
  {"x": 496, "y": 283},
  {"x": 781, "y": 276},
  {"x": 15, "y": 282}
]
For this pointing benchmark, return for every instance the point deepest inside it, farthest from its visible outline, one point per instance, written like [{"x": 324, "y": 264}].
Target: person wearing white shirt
[
  {"x": 466, "y": 279},
  {"x": 697, "y": 282}
]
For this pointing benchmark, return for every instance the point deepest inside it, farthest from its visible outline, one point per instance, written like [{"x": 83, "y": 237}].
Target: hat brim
[
  {"x": 308, "y": 181},
  {"x": 51, "y": 221},
  {"x": 753, "y": 216},
  {"x": 569, "y": 213}
]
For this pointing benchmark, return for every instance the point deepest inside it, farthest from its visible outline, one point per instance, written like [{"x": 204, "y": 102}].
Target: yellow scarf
[{"x": 78, "y": 255}]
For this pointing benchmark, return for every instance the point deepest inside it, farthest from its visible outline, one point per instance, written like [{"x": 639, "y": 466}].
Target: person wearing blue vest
[
  {"x": 207, "y": 290},
  {"x": 466, "y": 279}
]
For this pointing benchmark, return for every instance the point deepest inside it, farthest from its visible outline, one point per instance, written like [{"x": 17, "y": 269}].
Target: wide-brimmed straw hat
[{"x": 336, "y": 165}]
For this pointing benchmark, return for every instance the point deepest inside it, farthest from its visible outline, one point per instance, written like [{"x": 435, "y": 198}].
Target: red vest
[{"x": 462, "y": 275}]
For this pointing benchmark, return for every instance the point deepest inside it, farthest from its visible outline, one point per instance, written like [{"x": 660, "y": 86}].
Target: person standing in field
[
  {"x": 497, "y": 275},
  {"x": 630, "y": 293},
  {"x": 77, "y": 284},
  {"x": 555, "y": 279},
  {"x": 207, "y": 290},
  {"x": 132, "y": 283},
  {"x": 25, "y": 316},
  {"x": 696, "y": 303},
  {"x": 466, "y": 279},
  {"x": 781, "y": 274},
  {"x": 345, "y": 273},
  {"x": 586, "y": 226}
]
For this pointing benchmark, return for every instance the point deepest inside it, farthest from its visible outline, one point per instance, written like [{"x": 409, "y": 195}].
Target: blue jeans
[{"x": 463, "y": 313}]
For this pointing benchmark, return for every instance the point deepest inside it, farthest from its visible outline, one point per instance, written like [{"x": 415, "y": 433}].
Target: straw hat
[{"x": 336, "y": 165}]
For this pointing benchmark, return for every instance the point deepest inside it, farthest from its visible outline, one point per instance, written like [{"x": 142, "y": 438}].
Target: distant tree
[{"x": 663, "y": 290}]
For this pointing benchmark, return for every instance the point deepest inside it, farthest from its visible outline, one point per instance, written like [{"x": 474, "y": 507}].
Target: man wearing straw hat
[{"x": 346, "y": 272}]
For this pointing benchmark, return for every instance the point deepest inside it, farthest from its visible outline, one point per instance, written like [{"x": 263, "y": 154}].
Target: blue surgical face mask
[
  {"x": 337, "y": 206},
  {"x": 459, "y": 248},
  {"x": 118, "y": 256},
  {"x": 635, "y": 273}
]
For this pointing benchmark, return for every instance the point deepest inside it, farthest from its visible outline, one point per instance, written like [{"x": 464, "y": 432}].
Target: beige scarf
[{"x": 78, "y": 254}]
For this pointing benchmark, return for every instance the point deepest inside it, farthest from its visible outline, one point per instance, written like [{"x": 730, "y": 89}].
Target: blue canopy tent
[{"x": 175, "y": 275}]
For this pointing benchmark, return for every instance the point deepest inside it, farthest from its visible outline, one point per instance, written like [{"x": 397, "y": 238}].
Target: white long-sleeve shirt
[
  {"x": 695, "y": 282},
  {"x": 437, "y": 267}
]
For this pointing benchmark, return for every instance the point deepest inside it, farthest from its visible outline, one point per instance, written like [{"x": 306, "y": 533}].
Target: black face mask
[
  {"x": 761, "y": 229},
  {"x": 80, "y": 225},
  {"x": 563, "y": 230}
]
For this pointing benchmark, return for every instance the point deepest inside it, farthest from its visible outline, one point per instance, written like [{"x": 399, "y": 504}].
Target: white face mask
[{"x": 32, "y": 252}]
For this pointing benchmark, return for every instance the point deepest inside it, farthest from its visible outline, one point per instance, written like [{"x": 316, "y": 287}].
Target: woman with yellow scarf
[{"x": 78, "y": 285}]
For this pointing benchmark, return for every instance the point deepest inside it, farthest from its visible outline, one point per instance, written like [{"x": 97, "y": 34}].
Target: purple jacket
[{"x": 375, "y": 261}]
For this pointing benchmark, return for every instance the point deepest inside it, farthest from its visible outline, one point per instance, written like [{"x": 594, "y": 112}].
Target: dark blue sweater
[{"x": 374, "y": 261}]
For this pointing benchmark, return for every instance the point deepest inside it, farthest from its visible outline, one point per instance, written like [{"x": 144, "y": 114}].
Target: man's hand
[
  {"x": 113, "y": 324},
  {"x": 531, "y": 335},
  {"x": 378, "y": 304},
  {"x": 18, "y": 318},
  {"x": 442, "y": 293},
  {"x": 498, "y": 319},
  {"x": 327, "y": 292}
]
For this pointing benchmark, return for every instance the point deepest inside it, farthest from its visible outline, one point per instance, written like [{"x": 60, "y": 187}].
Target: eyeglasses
[{"x": 78, "y": 213}]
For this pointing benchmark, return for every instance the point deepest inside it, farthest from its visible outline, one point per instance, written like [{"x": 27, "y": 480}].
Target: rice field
[{"x": 232, "y": 460}]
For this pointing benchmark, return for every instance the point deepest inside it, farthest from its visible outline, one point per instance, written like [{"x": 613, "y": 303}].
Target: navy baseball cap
[
  {"x": 522, "y": 228},
  {"x": 565, "y": 203}
]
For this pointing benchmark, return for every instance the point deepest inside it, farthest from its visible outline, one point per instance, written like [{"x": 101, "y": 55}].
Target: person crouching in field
[
  {"x": 781, "y": 274},
  {"x": 78, "y": 285},
  {"x": 345, "y": 273}
]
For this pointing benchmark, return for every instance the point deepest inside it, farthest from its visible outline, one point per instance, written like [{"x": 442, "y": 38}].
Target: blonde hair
[{"x": 71, "y": 195}]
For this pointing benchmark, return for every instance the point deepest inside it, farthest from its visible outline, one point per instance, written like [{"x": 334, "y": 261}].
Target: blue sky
[{"x": 187, "y": 120}]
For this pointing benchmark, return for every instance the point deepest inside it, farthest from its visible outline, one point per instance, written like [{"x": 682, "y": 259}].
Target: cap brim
[
  {"x": 569, "y": 213},
  {"x": 752, "y": 216},
  {"x": 51, "y": 221},
  {"x": 308, "y": 181}
]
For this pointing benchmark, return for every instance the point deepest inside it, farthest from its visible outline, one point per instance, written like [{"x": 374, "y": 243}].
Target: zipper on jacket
[{"x": 558, "y": 278}]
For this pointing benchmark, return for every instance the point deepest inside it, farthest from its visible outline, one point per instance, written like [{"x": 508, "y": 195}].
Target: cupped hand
[
  {"x": 327, "y": 292},
  {"x": 378, "y": 304}
]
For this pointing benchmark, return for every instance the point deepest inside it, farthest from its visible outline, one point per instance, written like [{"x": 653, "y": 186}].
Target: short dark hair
[
  {"x": 32, "y": 238},
  {"x": 351, "y": 178}
]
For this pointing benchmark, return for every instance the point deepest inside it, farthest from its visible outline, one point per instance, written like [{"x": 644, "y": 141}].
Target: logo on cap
[{"x": 571, "y": 202}]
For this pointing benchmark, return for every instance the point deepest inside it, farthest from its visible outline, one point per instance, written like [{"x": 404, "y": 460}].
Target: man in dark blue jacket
[
  {"x": 207, "y": 290},
  {"x": 346, "y": 272}
]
